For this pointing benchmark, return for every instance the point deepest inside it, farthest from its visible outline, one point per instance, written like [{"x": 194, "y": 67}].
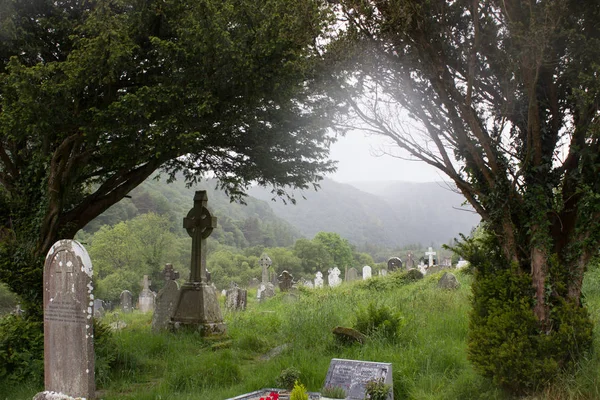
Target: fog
[{"x": 360, "y": 158}]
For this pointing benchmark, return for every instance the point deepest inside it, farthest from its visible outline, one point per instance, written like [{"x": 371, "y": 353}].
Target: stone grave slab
[
  {"x": 68, "y": 321},
  {"x": 367, "y": 272},
  {"x": 166, "y": 301},
  {"x": 351, "y": 275},
  {"x": 126, "y": 299},
  {"x": 353, "y": 375}
]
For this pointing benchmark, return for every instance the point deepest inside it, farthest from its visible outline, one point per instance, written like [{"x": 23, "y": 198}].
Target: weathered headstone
[
  {"x": 265, "y": 263},
  {"x": 448, "y": 281},
  {"x": 383, "y": 272},
  {"x": 126, "y": 299},
  {"x": 166, "y": 301},
  {"x": 98, "y": 308},
  {"x": 319, "y": 279},
  {"x": 352, "y": 275},
  {"x": 446, "y": 262},
  {"x": 198, "y": 304},
  {"x": 394, "y": 263},
  {"x": 147, "y": 297},
  {"x": 430, "y": 254},
  {"x": 414, "y": 274},
  {"x": 68, "y": 321},
  {"x": 286, "y": 281},
  {"x": 236, "y": 299},
  {"x": 265, "y": 291},
  {"x": 334, "y": 277},
  {"x": 410, "y": 260},
  {"x": 169, "y": 273},
  {"x": 253, "y": 283},
  {"x": 367, "y": 272},
  {"x": 353, "y": 375}
]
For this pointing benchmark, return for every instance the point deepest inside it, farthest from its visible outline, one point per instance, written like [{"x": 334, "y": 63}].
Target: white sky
[{"x": 359, "y": 159}]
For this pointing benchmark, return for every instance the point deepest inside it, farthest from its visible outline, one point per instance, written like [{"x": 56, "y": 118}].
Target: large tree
[
  {"x": 502, "y": 96},
  {"x": 97, "y": 95}
]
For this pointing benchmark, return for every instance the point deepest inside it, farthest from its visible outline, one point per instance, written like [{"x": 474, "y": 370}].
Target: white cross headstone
[
  {"x": 430, "y": 253},
  {"x": 367, "y": 272},
  {"x": 319, "y": 280},
  {"x": 334, "y": 277}
]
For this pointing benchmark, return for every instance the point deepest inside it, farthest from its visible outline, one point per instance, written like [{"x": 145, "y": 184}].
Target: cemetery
[{"x": 185, "y": 212}]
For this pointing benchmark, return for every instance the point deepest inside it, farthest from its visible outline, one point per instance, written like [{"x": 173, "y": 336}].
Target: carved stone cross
[
  {"x": 199, "y": 225},
  {"x": 430, "y": 253},
  {"x": 169, "y": 273},
  {"x": 146, "y": 283},
  {"x": 265, "y": 262}
]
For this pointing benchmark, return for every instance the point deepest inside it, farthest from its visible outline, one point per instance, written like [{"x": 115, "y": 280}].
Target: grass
[{"x": 428, "y": 355}]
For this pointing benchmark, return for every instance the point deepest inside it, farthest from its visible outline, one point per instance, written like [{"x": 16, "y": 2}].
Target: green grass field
[{"x": 429, "y": 354}]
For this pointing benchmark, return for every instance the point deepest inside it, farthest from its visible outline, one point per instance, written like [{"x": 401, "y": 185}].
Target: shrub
[
  {"x": 299, "y": 392},
  {"x": 381, "y": 320},
  {"x": 288, "y": 378},
  {"x": 376, "y": 389},
  {"x": 22, "y": 349}
]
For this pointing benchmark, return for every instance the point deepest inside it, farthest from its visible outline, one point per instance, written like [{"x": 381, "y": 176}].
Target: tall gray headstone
[
  {"x": 68, "y": 321},
  {"x": 126, "y": 299},
  {"x": 352, "y": 275},
  {"x": 265, "y": 263},
  {"x": 236, "y": 298},
  {"x": 166, "y": 301},
  {"x": 147, "y": 297},
  {"x": 410, "y": 260}
]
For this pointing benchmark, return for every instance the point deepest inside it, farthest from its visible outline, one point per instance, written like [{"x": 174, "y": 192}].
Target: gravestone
[
  {"x": 430, "y": 253},
  {"x": 286, "y": 281},
  {"x": 448, "y": 281},
  {"x": 383, "y": 272},
  {"x": 265, "y": 263},
  {"x": 319, "y": 279},
  {"x": 446, "y": 262},
  {"x": 198, "y": 304},
  {"x": 306, "y": 283},
  {"x": 169, "y": 273},
  {"x": 275, "y": 280},
  {"x": 253, "y": 283},
  {"x": 353, "y": 375},
  {"x": 166, "y": 300},
  {"x": 461, "y": 263},
  {"x": 410, "y": 260},
  {"x": 236, "y": 298},
  {"x": 334, "y": 277},
  {"x": 265, "y": 291},
  {"x": 68, "y": 321},
  {"x": 126, "y": 299},
  {"x": 394, "y": 264},
  {"x": 352, "y": 275},
  {"x": 147, "y": 297},
  {"x": 98, "y": 308},
  {"x": 367, "y": 272}
]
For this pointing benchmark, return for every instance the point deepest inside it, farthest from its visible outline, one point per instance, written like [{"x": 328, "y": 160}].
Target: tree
[
  {"x": 338, "y": 248},
  {"x": 503, "y": 97},
  {"x": 95, "y": 96}
]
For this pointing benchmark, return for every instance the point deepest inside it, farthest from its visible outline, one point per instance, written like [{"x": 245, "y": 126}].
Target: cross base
[{"x": 198, "y": 309}]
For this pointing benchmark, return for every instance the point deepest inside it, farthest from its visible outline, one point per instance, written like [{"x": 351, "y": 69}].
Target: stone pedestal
[{"x": 198, "y": 309}]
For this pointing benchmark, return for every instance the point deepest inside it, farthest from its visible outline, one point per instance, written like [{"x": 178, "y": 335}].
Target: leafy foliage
[
  {"x": 378, "y": 320},
  {"x": 288, "y": 378},
  {"x": 299, "y": 392},
  {"x": 376, "y": 389}
]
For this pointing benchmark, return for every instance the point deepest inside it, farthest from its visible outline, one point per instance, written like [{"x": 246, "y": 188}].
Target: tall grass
[{"x": 428, "y": 353}]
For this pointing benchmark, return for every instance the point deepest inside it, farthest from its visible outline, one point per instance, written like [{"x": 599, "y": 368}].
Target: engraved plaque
[{"x": 353, "y": 375}]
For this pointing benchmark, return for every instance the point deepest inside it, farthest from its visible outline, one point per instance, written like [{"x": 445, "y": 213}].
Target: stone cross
[
  {"x": 265, "y": 262},
  {"x": 169, "y": 273},
  {"x": 199, "y": 224},
  {"x": 430, "y": 253},
  {"x": 334, "y": 277},
  {"x": 145, "y": 282}
]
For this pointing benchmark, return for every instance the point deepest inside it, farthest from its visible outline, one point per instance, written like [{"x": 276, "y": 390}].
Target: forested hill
[{"x": 384, "y": 213}]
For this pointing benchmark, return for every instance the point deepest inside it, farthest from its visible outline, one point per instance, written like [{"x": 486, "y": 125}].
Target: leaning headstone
[
  {"x": 334, "y": 277},
  {"x": 352, "y": 275},
  {"x": 126, "y": 301},
  {"x": 394, "y": 263},
  {"x": 147, "y": 297},
  {"x": 265, "y": 291},
  {"x": 236, "y": 299},
  {"x": 448, "y": 281},
  {"x": 286, "y": 281},
  {"x": 68, "y": 321},
  {"x": 319, "y": 279},
  {"x": 353, "y": 375},
  {"x": 367, "y": 272},
  {"x": 166, "y": 301},
  {"x": 98, "y": 308}
]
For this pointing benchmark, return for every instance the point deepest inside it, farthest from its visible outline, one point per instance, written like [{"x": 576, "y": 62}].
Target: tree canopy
[
  {"x": 503, "y": 97},
  {"x": 95, "y": 96}
]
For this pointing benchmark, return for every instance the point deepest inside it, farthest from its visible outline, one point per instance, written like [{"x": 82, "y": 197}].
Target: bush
[
  {"x": 380, "y": 320},
  {"x": 22, "y": 349},
  {"x": 288, "y": 378},
  {"x": 299, "y": 392},
  {"x": 504, "y": 341}
]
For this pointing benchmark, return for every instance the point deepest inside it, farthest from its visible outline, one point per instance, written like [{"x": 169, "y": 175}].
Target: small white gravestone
[
  {"x": 334, "y": 277},
  {"x": 319, "y": 280},
  {"x": 367, "y": 272},
  {"x": 68, "y": 321},
  {"x": 383, "y": 272},
  {"x": 462, "y": 263},
  {"x": 422, "y": 267},
  {"x": 147, "y": 297},
  {"x": 430, "y": 253}
]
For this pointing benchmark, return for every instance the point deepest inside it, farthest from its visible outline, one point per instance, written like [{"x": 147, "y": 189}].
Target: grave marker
[
  {"x": 430, "y": 253},
  {"x": 352, "y": 275},
  {"x": 265, "y": 263},
  {"x": 367, "y": 272},
  {"x": 394, "y": 263},
  {"x": 410, "y": 260},
  {"x": 68, "y": 321},
  {"x": 236, "y": 298},
  {"x": 147, "y": 297},
  {"x": 126, "y": 299},
  {"x": 334, "y": 277},
  {"x": 319, "y": 279},
  {"x": 286, "y": 281},
  {"x": 166, "y": 300},
  {"x": 353, "y": 375}
]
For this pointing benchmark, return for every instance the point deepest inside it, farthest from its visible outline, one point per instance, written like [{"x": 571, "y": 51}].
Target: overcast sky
[{"x": 358, "y": 160}]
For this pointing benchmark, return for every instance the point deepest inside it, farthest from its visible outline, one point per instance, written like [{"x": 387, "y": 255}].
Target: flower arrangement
[{"x": 271, "y": 396}]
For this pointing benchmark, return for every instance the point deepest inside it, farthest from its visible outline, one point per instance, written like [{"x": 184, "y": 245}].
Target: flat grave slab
[{"x": 353, "y": 375}]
